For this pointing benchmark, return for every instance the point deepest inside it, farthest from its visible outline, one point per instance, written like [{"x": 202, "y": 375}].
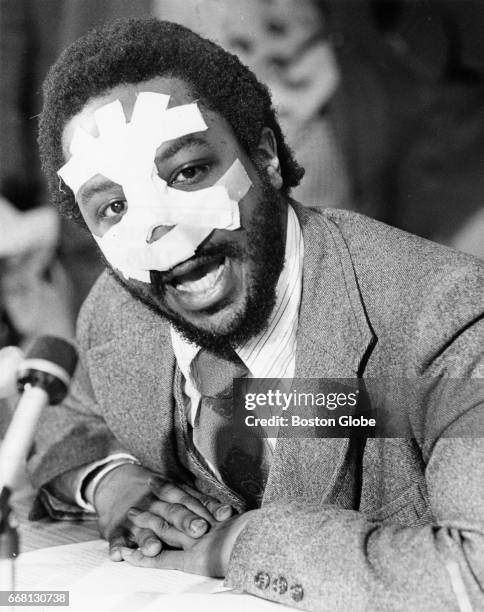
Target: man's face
[{"x": 226, "y": 291}]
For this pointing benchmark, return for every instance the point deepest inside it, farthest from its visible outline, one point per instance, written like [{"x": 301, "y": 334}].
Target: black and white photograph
[{"x": 242, "y": 305}]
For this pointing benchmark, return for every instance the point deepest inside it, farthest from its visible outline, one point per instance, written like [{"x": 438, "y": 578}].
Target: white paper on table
[
  {"x": 216, "y": 602},
  {"x": 96, "y": 583},
  {"x": 180, "y": 602},
  {"x": 59, "y": 567}
]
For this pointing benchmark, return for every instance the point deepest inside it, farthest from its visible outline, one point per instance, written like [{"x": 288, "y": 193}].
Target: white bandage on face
[{"x": 125, "y": 154}]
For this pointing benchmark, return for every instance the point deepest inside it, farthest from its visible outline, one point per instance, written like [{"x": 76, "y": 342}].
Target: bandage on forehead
[
  {"x": 127, "y": 149},
  {"x": 124, "y": 152}
]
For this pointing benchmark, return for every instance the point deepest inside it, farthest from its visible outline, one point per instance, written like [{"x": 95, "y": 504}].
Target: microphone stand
[
  {"x": 43, "y": 379},
  {"x": 8, "y": 542}
]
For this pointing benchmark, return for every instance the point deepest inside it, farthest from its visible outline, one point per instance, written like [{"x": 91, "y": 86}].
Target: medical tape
[
  {"x": 124, "y": 152},
  {"x": 200, "y": 212},
  {"x": 127, "y": 150}
]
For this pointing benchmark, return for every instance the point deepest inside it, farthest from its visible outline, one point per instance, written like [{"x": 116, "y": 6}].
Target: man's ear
[{"x": 267, "y": 151}]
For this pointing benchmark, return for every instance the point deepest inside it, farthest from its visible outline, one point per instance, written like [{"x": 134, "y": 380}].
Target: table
[{"x": 195, "y": 595}]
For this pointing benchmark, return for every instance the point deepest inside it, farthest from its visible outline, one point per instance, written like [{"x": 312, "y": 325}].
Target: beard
[{"x": 265, "y": 249}]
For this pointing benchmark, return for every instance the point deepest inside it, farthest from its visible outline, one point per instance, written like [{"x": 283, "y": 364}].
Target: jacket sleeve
[
  {"x": 73, "y": 434},
  {"x": 320, "y": 558}
]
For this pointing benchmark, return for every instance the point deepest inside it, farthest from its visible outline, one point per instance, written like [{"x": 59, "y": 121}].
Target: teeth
[{"x": 203, "y": 284}]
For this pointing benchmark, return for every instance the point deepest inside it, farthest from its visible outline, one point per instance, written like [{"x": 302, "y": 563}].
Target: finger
[
  {"x": 173, "y": 494},
  {"x": 168, "y": 559},
  {"x": 149, "y": 543},
  {"x": 205, "y": 506},
  {"x": 180, "y": 517},
  {"x": 118, "y": 539},
  {"x": 161, "y": 528},
  {"x": 219, "y": 511}
]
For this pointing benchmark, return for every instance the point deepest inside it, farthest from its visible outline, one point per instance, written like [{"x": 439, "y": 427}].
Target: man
[{"x": 167, "y": 149}]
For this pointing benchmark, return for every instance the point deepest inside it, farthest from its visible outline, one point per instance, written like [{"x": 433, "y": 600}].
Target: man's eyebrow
[
  {"x": 188, "y": 140},
  {"x": 86, "y": 193}
]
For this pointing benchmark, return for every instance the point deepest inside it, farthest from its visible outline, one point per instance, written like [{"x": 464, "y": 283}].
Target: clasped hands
[{"x": 150, "y": 522}]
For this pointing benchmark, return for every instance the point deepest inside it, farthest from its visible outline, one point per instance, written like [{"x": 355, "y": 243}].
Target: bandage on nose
[{"x": 157, "y": 232}]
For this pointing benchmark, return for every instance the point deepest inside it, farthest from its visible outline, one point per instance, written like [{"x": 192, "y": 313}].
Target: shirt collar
[{"x": 271, "y": 353}]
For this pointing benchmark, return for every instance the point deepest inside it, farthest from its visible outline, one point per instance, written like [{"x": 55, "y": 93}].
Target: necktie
[{"x": 243, "y": 463}]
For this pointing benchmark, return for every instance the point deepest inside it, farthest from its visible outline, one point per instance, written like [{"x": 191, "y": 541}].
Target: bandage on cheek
[
  {"x": 124, "y": 153},
  {"x": 191, "y": 215}
]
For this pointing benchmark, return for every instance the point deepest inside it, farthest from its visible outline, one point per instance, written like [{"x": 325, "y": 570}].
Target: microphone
[{"x": 43, "y": 379}]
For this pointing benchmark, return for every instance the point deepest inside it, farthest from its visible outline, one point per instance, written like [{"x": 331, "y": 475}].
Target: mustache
[{"x": 221, "y": 249}]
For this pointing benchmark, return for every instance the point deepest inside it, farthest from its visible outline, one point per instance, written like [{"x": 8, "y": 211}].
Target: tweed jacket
[{"x": 394, "y": 524}]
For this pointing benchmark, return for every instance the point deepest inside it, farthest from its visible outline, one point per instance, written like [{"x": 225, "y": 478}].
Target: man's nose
[{"x": 157, "y": 232}]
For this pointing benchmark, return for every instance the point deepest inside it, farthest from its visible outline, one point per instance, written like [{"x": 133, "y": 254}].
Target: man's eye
[
  {"x": 114, "y": 209},
  {"x": 190, "y": 174}
]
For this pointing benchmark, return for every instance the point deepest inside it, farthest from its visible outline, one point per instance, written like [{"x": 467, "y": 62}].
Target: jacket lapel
[
  {"x": 334, "y": 333},
  {"x": 333, "y": 339}
]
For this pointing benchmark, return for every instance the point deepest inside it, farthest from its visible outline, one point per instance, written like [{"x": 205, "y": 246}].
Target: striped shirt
[{"x": 272, "y": 353}]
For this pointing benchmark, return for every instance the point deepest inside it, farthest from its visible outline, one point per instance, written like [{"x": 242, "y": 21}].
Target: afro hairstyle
[{"x": 136, "y": 50}]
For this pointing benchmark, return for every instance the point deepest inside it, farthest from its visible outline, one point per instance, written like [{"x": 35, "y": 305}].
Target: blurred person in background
[
  {"x": 439, "y": 185},
  {"x": 36, "y": 296},
  {"x": 443, "y": 167},
  {"x": 44, "y": 272},
  {"x": 286, "y": 43}
]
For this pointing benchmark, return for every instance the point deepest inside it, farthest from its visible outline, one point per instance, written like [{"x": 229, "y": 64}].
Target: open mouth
[
  {"x": 202, "y": 283},
  {"x": 206, "y": 283},
  {"x": 200, "y": 277}
]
